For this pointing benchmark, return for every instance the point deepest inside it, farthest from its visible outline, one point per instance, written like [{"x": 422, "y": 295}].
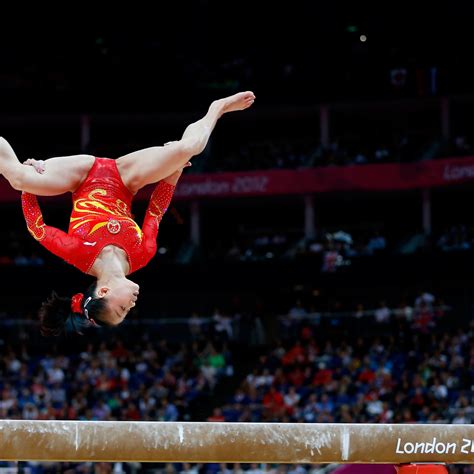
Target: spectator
[
  {"x": 382, "y": 313},
  {"x": 216, "y": 416}
]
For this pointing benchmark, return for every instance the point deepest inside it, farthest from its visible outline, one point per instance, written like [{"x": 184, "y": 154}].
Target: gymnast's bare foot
[{"x": 232, "y": 103}]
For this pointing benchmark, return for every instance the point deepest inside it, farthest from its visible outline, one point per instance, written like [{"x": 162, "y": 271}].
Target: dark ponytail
[{"x": 64, "y": 315}]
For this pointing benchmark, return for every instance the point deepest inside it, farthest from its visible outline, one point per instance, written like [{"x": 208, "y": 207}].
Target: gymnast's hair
[{"x": 67, "y": 315}]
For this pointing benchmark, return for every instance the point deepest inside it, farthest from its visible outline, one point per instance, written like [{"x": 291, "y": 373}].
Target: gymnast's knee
[
  {"x": 191, "y": 146},
  {"x": 16, "y": 178}
]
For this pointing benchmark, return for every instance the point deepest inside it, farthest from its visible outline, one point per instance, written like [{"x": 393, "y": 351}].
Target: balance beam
[{"x": 317, "y": 443}]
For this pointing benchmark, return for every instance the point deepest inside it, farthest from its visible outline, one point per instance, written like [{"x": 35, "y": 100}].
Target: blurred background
[{"x": 316, "y": 262}]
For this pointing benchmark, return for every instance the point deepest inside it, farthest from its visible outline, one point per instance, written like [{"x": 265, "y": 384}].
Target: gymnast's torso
[
  {"x": 101, "y": 216},
  {"x": 101, "y": 213}
]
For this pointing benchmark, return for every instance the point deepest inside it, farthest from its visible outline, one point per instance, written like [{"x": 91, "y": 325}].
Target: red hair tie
[{"x": 76, "y": 303}]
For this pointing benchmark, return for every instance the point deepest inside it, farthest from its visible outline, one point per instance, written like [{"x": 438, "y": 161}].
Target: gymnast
[{"x": 103, "y": 240}]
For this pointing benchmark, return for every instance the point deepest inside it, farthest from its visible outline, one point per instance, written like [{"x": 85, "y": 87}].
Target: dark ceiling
[{"x": 178, "y": 55}]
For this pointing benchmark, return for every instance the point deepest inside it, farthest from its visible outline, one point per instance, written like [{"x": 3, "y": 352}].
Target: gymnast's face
[{"x": 121, "y": 297}]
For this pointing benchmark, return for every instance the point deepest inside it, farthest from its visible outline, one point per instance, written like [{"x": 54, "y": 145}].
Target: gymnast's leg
[
  {"x": 64, "y": 173},
  {"x": 151, "y": 165}
]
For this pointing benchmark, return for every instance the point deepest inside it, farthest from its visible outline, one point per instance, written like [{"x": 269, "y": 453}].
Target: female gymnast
[{"x": 103, "y": 240}]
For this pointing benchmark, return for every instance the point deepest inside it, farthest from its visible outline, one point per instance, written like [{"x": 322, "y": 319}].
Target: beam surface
[{"x": 293, "y": 443}]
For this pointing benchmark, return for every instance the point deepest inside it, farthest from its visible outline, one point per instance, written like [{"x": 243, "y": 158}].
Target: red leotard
[{"x": 101, "y": 216}]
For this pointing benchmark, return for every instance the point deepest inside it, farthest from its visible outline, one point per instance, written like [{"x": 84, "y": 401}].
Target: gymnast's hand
[{"x": 38, "y": 165}]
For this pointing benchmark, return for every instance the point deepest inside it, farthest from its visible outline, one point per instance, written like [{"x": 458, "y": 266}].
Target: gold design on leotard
[
  {"x": 97, "y": 227},
  {"x": 93, "y": 207},
  {"x": 38, "y": 231},
  {"x": 122, "y": 206},
  {"x": 78, "y": 224},
  {"x": 155, "y": 210}
]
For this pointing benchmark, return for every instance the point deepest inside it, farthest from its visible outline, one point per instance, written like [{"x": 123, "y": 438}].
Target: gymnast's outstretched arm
[
  {"x": 65, "y": 173},
  {"x": 67, "y": 247},
  {"x": 159, "y": 203}
]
